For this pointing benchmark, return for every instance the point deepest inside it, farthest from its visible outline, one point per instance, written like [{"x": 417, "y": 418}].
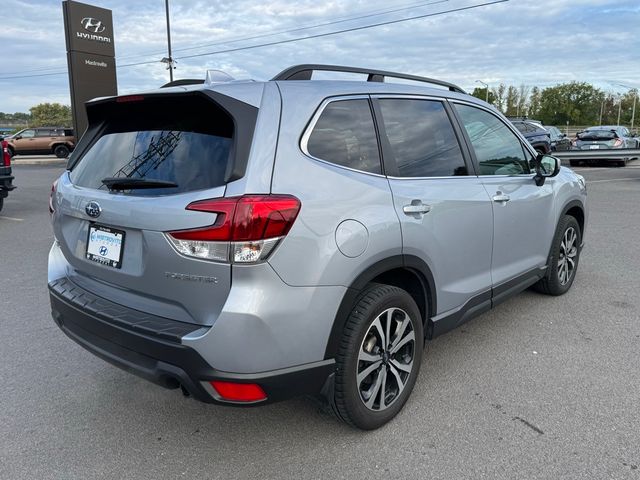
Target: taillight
[
  {"x": 618, "y": 142},
  {"x": 6, "y": 156},
  {"x": 53, "y": 192},
  {"x": 246, "y": 229}
]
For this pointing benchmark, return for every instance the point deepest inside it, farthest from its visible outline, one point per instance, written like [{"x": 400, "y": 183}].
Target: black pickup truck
[{"x": 6, "y": 178}]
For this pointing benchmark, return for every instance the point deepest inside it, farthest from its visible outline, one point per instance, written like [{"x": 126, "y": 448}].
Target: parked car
[
  {"x": 253, "y": 241},
  {"x": 6, "y": 179},
  {"x": 42, "y": 140},
  {"x": 535, "y": 134},
  {"x": 605, "y": 137},
  {"x": 559, "y": 140}
]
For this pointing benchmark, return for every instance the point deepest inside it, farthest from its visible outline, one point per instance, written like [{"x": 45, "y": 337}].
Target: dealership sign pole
[{"x": 90, "y": 57}]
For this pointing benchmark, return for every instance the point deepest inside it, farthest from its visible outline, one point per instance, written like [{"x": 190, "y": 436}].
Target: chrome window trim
[{"x": 314, "y": 120}]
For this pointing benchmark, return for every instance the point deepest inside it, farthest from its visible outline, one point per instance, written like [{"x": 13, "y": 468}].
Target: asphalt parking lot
[{"x": 540, "y": 387}]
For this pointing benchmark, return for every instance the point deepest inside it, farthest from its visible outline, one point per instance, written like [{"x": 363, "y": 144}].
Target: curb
[{"x": 38, "y": 161}]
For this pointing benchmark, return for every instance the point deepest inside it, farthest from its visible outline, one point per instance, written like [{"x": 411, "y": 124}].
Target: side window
[
  {"x": 41, "y": 132},
  {"x": 498, "y": 150},
  {"x": 345, "y": 135},
  {"x": 28, "y": 134},
  {"x": 421, "y": 137}
]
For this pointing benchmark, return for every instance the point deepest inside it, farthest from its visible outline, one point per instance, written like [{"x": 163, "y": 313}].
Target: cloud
[{"x": 521, "y": 41}]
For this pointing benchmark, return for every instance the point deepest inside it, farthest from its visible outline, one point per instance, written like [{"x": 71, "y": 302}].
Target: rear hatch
[
  {"x": 141, "y": 162},
  {"x": 598, "y": 139}
]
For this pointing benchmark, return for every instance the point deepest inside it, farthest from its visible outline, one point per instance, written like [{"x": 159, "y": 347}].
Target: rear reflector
[{"x": 239, "y": 392}]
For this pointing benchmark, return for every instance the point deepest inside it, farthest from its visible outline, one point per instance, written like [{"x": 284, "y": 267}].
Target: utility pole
[{"x": 170, "y": 58}]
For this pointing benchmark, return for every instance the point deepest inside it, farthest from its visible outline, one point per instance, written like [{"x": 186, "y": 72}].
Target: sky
[{"x": 531, "y": 42}]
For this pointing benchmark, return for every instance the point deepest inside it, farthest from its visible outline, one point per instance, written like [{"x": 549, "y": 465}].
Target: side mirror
[
  {"x": 563, "y": 135},
  {"x": 546, "y": 166}
]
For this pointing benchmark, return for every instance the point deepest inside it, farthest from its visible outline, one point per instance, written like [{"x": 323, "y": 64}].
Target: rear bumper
[{"x": 150, "y": 347}]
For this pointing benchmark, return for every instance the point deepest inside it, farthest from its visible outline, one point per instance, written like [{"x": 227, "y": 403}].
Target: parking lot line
[
  {"x": 11, "y": 218},
  {"x": 589, "y": 182}
]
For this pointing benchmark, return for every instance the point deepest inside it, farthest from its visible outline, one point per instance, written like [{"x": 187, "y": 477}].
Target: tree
[
  {"x": 498, "y": 93},
  {"x": 511, "y": 102},
  {"x": 50, "y": 114},
  {"x": 577, "y": 103},
  {"x": 523, "y": 96},
  {"x": 481, "y": 93},
  {"x": 534, "y": 103}
]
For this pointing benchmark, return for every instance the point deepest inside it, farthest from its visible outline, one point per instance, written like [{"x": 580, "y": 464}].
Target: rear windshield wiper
[{"x": 123, "y": 183}]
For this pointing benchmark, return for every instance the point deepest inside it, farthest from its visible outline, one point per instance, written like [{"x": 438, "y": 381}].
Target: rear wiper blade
[{"x": 121, "y": 183}]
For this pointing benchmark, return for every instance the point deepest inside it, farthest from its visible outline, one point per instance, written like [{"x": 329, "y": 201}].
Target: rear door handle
[
  {"x": 501, "y": 197},
  {"x": 416, "y": 208}
]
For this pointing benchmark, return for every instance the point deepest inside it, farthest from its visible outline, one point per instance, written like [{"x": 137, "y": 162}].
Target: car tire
[
  {"x": 1, "y": 203},
  {"x": 61, "y": 151},
  {"x": 563, "y": 260},
  {"x": 379, "y": 357}
]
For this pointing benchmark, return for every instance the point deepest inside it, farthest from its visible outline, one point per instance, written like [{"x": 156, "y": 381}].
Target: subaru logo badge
[{"x": 93, "y": 209}]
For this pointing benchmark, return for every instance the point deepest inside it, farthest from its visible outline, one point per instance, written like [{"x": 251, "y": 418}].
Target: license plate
[
  {"x": 104, "y": 246},
  {"x": 594, "y": 147}
]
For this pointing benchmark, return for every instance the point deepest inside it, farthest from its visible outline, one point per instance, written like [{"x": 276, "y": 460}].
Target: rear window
[
  {"x": 597, "y": 135},
  {"x": 421, "y": 139},
  {"x": 186, "y": 141}
]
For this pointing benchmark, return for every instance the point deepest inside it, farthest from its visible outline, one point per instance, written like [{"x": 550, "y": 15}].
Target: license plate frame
[{"x": 112, "y": 241}]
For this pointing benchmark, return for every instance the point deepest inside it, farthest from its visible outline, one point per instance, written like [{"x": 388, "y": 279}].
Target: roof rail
[{"x": 304, "y": 72}]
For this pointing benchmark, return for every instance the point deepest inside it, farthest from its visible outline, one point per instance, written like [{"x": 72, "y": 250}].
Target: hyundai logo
[
  {"x": 93, "y": 209},
  {"x": 103, "y": 251},
  {"x": 92, "y": 25}
]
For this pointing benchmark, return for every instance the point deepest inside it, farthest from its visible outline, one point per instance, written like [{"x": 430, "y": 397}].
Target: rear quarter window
[{"x": 345, "y": 135}]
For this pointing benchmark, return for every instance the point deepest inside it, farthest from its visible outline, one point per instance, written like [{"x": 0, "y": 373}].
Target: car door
[
  {"x": 24, "y": 141},
  {"x": 445, "y": 213},
  {"x": 43, "y": 140},
  {"x": 523, "y": 213}
]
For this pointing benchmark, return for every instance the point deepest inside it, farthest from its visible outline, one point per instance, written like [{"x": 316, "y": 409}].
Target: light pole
[
  {"x": 635, "y": 98},
  {"x": 619, "y": 111},
  {"x": 486, "y": 86}
]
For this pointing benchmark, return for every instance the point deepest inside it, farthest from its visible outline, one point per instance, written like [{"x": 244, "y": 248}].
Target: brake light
[
  {"x": 6, "y": 156},
  {"x": 618, "y": 142},
  {"x": 246, "y": 228},
  {"x": 51, "y": 195},
  {"x": 239, "y": 392},
  {"x": 129, "y": 98}
]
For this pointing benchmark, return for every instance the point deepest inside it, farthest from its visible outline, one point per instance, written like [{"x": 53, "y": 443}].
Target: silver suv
[{"x": 252, "y": 241}]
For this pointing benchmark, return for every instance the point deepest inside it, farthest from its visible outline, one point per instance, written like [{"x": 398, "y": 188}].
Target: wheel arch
[
  {"x": 576, "y": 210},
  {"x": 404, "y": 271}
]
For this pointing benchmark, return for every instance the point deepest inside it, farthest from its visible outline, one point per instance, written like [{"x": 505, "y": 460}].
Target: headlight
[{"x": 582, "y": 182}]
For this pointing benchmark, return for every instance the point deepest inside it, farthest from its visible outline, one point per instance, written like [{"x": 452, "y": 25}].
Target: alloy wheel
[
  {"x": 568, "y": 256},
  {"x": 385, "y": 359}
]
